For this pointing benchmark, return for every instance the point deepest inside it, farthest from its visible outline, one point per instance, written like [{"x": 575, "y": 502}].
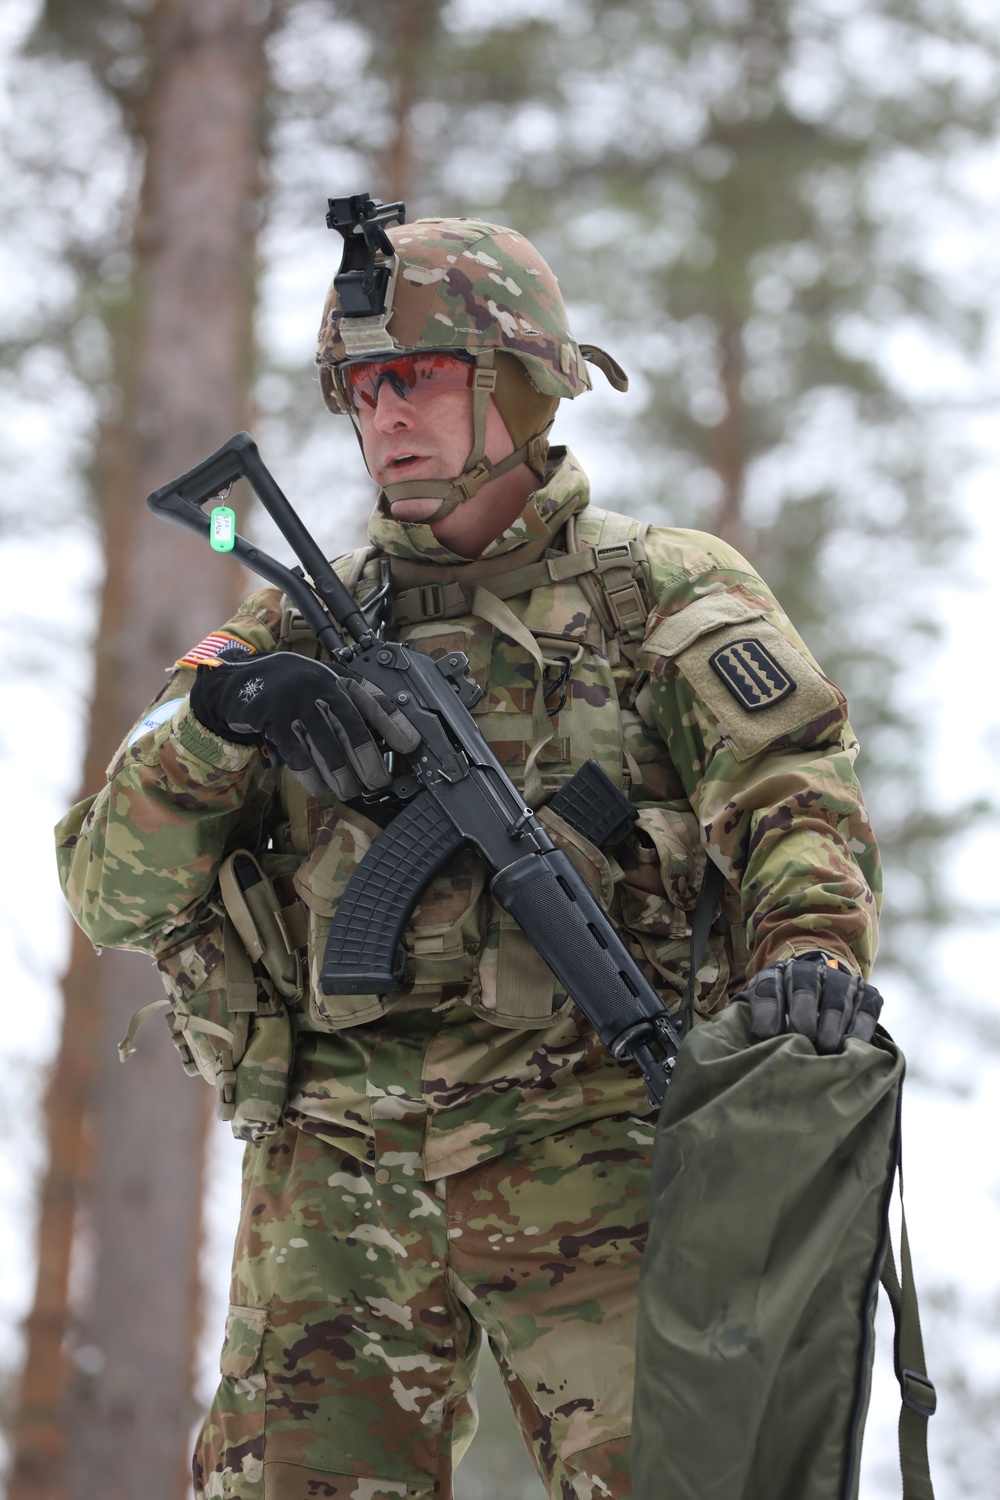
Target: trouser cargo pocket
[{"x": 229, "y": 1456}]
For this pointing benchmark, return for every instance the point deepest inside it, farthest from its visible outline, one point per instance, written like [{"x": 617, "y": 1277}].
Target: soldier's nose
[{"x": 391, "y": 409}]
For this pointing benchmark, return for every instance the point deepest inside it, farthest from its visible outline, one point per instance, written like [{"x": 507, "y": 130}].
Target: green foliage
[{"x": 107, "y": 36}]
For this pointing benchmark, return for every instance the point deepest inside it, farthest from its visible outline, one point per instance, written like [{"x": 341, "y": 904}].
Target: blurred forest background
[{"x": 781, "y": 216}]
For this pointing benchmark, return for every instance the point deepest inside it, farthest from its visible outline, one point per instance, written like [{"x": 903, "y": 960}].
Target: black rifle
[{"x": 458, "y": 793}]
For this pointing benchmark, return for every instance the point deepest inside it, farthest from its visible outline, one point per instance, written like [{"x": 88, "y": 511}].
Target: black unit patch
[{"x": 751, "y": 674}]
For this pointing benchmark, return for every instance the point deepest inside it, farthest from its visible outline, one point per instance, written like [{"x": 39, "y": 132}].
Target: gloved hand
[
  {"x": 323, "y": 722},
  {"x": 807, "y": 995}
]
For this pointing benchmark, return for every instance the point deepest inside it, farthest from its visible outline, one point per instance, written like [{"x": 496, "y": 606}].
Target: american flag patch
[{"x": 214, "y": 646}]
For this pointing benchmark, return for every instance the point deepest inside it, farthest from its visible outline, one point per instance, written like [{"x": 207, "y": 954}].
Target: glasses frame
[{"x": 355, "y": 399}]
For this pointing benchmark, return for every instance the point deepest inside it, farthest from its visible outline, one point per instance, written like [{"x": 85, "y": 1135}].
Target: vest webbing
[
  {"x": 606, "y": 553},
  {"x": 486, "y": 606},
  {"x": 432, "y": 601},
  {"x": 613, "y": 573},
  {"x": 618, "y": 583}
]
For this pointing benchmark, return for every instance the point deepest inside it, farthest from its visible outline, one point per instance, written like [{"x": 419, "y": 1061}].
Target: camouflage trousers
[{"x": 361, "y": 1294}]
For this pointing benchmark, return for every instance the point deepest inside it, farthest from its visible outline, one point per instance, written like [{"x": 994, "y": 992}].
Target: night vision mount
[{"x": 363, "y": 279}]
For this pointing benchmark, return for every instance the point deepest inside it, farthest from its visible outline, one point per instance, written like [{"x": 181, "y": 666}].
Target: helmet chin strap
[{"x": 478, "y": 468}]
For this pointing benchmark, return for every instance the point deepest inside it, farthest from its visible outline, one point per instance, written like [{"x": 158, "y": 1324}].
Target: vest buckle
[{"x": 431, "y": 601}]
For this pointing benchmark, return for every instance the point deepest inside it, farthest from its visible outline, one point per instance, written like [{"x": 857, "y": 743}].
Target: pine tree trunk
[
  {"x": 732, "y": 453},
  {"x": 126, "y": 1144},
  {"x": 408, "y": 65}
]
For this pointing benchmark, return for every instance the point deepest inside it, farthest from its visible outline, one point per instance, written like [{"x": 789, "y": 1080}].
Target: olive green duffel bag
[{"x": 772, "y": 1175}]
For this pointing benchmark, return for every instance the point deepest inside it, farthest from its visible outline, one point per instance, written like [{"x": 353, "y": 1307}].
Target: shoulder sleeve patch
[
  {"x": 752, "y": 674},
  {"x": 220, "y": 644},
  {"x": 757, "y": 684},
  {"x": 156, "y": 716}
]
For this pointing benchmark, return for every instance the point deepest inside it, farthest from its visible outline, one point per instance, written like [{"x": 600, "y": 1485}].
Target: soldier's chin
[{"x": 414, "y": 510}]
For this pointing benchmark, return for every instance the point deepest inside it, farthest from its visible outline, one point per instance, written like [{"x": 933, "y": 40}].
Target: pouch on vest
[
  {"x": 228, "y": 992},
  {"x": 664, "y": 860},
  {"x": 772, "y": 1173},
  {"x": 515, "y": 986},
  {"x": 442, "y": 939}
]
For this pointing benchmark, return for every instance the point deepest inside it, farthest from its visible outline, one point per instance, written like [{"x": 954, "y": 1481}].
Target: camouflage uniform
[{"x": 463, "y": 1156}]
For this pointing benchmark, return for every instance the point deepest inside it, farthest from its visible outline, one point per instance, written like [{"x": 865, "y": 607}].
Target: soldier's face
[{"x": 432, "y": 439}]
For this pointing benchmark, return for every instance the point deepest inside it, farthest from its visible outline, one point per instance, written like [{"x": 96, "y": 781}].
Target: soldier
[{"x": 461, "y": 1156}]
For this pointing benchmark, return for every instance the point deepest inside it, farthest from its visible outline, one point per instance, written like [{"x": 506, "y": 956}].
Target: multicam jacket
[{"x": 707, "y": 709}]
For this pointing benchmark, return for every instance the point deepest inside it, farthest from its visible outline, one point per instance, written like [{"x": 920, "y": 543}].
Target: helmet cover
[{"x": 466, "y": 284}]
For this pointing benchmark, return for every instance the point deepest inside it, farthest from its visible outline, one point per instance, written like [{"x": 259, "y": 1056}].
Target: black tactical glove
[
  {"x": 323, "y": 722},
  {"x": 806, "y": 994}
]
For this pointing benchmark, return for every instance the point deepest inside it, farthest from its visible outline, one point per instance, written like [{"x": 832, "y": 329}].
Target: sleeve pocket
[
  {"x": 244, "y": 1334},
  {"x": 753, "y": 678}
]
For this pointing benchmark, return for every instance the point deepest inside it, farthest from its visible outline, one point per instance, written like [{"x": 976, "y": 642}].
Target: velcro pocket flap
[
  {"x": 340, "y": 846},
  {"x": 674, "y": 634},
  {"x": 756, "y": 680},
  {"x": 598, "y": 870},
  {"x": 244, "y": 1334}
]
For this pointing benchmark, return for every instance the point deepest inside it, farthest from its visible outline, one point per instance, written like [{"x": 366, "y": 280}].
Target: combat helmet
[{"x": 458, "y": 286}]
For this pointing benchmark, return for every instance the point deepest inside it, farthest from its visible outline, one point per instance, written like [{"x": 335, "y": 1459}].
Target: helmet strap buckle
[{"x": 473, "y": 479}]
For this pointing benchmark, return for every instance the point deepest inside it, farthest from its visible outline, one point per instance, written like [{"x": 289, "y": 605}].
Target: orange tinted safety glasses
[{"x": 414, "y": 377}]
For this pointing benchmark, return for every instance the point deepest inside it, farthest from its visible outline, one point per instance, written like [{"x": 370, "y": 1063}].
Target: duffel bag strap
[{"x": 919, "y": 1398}]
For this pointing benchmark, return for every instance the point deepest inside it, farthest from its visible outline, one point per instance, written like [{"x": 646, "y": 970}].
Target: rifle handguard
[{"x": 557, "y": 913}]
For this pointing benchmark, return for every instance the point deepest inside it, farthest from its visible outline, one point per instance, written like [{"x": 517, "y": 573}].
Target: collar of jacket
[{"x": 417, "y": 556}]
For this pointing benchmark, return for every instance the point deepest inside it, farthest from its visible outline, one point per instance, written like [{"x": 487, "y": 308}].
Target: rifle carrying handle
[{"x": 364, "y": 953}]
